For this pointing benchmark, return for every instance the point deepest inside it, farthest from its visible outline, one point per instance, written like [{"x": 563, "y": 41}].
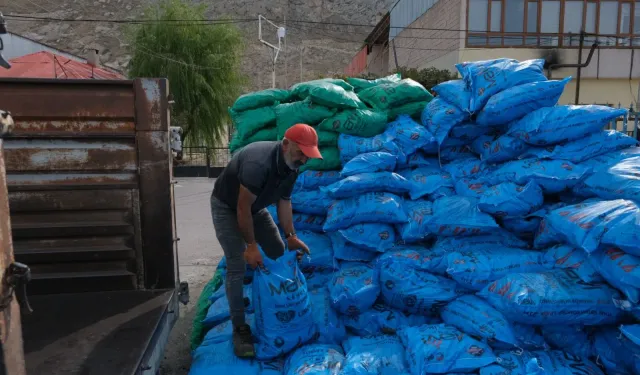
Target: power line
[{"x": 15, "y": 17}]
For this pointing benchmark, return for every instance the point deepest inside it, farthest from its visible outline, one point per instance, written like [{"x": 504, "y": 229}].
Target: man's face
[{"x": 293, "y": 156}]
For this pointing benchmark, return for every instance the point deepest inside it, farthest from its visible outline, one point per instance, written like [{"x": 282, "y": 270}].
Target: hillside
[{"x": 325, "y": 50}]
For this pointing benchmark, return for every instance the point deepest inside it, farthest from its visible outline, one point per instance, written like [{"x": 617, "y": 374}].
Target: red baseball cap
[{"x": 306, "y": 138}]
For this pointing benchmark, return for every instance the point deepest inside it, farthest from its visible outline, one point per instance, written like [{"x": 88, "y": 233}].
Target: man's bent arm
[
  {"x": 245, "y": 218},
  {"x": 285, "y": 215}
]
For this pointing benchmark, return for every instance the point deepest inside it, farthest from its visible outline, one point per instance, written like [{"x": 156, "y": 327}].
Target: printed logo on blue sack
[{"x": 285, "y": 316}]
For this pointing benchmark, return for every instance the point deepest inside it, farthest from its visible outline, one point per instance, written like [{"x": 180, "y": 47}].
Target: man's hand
[
  {"x": 294, "y": 243},
  {"x": 252, "y": 256}
]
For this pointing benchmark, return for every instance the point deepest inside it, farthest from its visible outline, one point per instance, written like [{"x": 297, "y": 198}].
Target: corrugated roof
[{"x": 48, "y": 65}]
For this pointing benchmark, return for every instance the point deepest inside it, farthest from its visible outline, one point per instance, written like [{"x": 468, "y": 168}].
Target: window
[
  {"x": 496, "y": 16},
  {"x": 548, "y": 23},
  {"x": 479, "y": 10}
]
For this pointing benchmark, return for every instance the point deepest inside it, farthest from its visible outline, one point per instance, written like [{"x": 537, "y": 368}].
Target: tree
[
  {"x": 427, "y": 77},
  {"x": 201, "y": 61}
]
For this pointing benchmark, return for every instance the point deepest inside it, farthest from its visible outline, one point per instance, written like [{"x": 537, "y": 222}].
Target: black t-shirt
[{"x": 261, "y": 168}]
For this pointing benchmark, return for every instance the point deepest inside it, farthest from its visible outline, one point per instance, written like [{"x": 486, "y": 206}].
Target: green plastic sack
[
  {"x": 248, "y": 123},
  {"x": 360, "y": 84},
  {"x": 267, "y": 134},
  {"x": 359, "y": 122},
  {"x": 389, "y": 95},
  {"x": 258, "y": 99},
  {"x": 330, "y": 161},
  {"x": 327, "y": 138},
  {"x": 412, "y": 109},
  {"x": 301, "y": 90},
  {"x": 305, "y": 112},
  {"x": 334, "y": 96}
]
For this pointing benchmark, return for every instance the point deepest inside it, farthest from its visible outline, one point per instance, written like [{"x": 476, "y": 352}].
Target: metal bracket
[
  {"x": 15, "y": 280},
  {"x": 183, "y": 293}
]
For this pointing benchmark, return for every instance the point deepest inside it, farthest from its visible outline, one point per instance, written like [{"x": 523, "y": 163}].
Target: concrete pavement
[{"x": 199, "y": 253}]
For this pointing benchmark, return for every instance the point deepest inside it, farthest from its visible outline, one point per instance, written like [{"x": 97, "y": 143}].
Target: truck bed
[{"x": 92, "y": 333}]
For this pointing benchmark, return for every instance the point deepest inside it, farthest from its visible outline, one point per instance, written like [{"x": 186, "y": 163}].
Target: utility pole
[{"x": 275, "y": 50}]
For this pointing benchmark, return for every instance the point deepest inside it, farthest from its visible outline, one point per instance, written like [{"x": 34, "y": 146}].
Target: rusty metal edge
[
  {"x": 11, "y": 334},
  {"x": 53, "y": 81},
  {"x": 137, "y": 237}
]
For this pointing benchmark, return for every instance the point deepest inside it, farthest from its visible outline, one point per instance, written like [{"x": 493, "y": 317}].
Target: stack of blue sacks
[{"x": 501, "y": 235}]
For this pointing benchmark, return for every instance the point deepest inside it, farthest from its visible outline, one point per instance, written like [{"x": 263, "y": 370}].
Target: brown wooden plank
[
  {"x": 63, "y": 218},
  {"x": 72, "y": 181},
  {"x": 73, "y": 127},
  {"x": 70, "y": 200}
]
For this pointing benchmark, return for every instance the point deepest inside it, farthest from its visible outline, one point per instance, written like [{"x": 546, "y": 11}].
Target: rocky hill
[{"x": 311, "y": 50}]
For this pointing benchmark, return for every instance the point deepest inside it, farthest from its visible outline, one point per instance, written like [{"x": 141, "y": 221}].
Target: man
[{"x": 261, "y": 174}]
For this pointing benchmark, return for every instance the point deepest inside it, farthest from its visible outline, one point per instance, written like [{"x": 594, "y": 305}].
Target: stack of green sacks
[
  {"x": 254, "y": 117},
  {"x": 395, "y": 96}
]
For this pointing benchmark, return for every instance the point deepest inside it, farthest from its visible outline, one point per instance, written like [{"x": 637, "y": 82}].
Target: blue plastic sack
[
  {"x": 455, "y": 92},
  {"x": 248, "y": 275},
  {"x": 516, "y": 102},
  {"x": 219, "y": 309},
  {"x": 527, "y": 226},
  {"x": 554, "y": 297},
  {"x": 418, "y": 159},
  {"x": 301, "y": 221},
  {"x": 598, "y": 143},
  {"x": 475, "y": 268},
  {"x": 312, "y": 202},
  {"x": 368, "y": 183},
  {"x": 223, "y": 332},
  {"x": 283, "y": 308},
  {"x": 315, "y": 359},
  {"x": 345, "y": 250},
  {"x": 553, "y": 176},
  {"x": 354, "y": 288},
  {"x": 415, "y": 291},
  {"x": 476, "y": 317},
  {"x": 382, "y": 319},
  {"x": 467, "y": 132},
  {"x": 317, "y": 280},
  {"x": 594, "y": 223},
  {"x": 496, "y": 238},
  {"x": 371, "y": 355},
  {"x": 371, "y": 236},
  {"x": 487, "y": 78},
  {"x": 620, "y": 270},
  {"x": 563, "y": 123},
  {"x": 329, "y": 326},
  {"x": 616, "y": 352},
  {"x": 416, "y": 230},
  {"x": 449, "y": 154},
  {"x": 321, "y": 257},
  {"x": 366, "y": 208},
  {"x": 572, "y": 339},
  {"x": 503, "y": 200},
  {"x": 605, "y": 161},
  {"x": 509, "y": 199},
  {"x": 440, "y": 116},
  {"x": 619, "y": 181},
  {"x": 552, "y": 362},
  {"x": 441, "y": 349},
  {"x": 632, "y": 332},
  {"x": 370, "y": 162},
  {"x": 567, "y": 257},
  {"x": 351, "y": 146},
  {"x": 419, "y": 257},
  {"x": 425, "y": 181},
  {"x": 469, "y": 168},
  {"x": 312, "y": 180},
  {"x": 498, "y": 148},
  {"x": 219, "y": 358},
  {"x": 409, "y": 136},
  {"x": 458, "y": 216}
]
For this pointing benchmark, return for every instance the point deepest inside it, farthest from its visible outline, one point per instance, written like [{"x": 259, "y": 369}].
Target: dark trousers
[{"x": 225, "y": 222}]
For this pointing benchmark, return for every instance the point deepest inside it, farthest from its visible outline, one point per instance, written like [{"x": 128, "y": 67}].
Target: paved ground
[{"x": 199, "y": 254}]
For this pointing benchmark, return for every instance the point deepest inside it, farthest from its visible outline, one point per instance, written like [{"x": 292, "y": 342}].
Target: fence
[{"x": 202, "y": 161}]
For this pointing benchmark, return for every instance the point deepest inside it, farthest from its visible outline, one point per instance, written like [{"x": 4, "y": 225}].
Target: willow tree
[{"x": 200, "y": 58}]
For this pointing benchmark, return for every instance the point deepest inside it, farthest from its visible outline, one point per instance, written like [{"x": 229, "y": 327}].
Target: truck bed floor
[{"x": 91, "y": 333}]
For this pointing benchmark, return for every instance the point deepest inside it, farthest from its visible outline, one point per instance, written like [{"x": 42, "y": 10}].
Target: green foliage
[
  {"x": 428, "y": 77},
  {"x": 201, "y": 60}
]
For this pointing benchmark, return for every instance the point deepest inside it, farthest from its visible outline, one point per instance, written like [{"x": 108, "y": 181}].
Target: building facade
[{"x": 442, "y": 33}]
